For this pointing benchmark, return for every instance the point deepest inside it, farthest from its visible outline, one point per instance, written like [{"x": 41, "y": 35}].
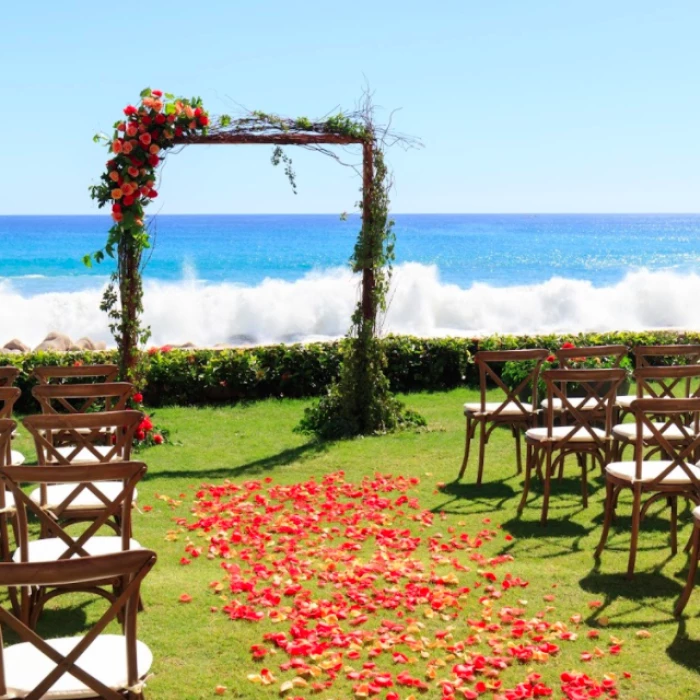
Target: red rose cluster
[
  {"x": 145, "y": 432},
  {"x": 137, "y": 148}
]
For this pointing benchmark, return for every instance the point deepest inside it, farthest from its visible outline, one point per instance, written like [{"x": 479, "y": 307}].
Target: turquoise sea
[{"x": 269, "y": 278}]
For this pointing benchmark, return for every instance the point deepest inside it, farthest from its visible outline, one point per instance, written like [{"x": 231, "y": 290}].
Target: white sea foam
[{"x": 319, "y": 305}]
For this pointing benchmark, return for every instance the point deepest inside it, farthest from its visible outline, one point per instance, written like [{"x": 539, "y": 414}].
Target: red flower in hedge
[
  {"x": 140, "y": 435},
  {"x": 551, "y": 358},
  {"x": 129, "y": 110},
  {"x": 138, "y": 397},
  {"x": 567, "y": 346}
]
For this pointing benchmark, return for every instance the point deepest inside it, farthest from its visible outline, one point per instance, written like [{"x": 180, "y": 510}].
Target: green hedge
[{"x": 183, "y": 376}]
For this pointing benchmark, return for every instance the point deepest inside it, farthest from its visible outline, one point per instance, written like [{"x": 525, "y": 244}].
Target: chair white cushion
[
  {"x": 625, "y": 401},
  {"x": 628, "y": 431},
  {"x": 17, "y": 458},
  {"x": 104, "y": 659},
  {"x": 57, "y": 493},
  {"x": 511, "y": 408},
  {"x": 581, "y": 402},
  {"x": 696, "y": 513},
  {"x": 51, "y": 548},
  {"x": 559, "y": 432},
  {"x": 651, "y": 470},
  {"x": 86, "y": 456}
]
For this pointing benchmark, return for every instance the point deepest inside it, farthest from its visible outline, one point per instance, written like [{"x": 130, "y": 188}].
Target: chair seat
[
  {"x": 559, "y": 432},
  {"x": 625, "y": 401},
  {"x": 17, "y": 458},
  {"x": 577, "y": 402},
  {"x": 651, "y": 470},
  {"x": 85, "y": 456},
  {"x": 628, "y": 431},
  {"x": 104, "y": 659},
  {"x": 86, "y": 499},
  {"x": 51, "y": 548},
  {"x": 696, "y": 513},
  {"x": 511, "y": 408}
]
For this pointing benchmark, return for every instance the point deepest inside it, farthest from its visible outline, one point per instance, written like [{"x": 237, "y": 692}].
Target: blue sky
[{"x": 521, "y": 105}]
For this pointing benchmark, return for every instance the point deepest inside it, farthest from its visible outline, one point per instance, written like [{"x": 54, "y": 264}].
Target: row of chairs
[
  {"x": 664, "y": 433},
  {"x": 84, "y": 474}
]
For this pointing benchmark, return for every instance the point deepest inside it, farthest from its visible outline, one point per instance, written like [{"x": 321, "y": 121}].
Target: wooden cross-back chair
[
  {"x": 95, "y": 665},
  {"x": 7, "y": 502},
  {"x": 9, "y": 396},
  {"x": 56, "y": 543},
  {"x": 674, "y": 475},
  {"x": 8, "y": 375},
  {"x": 54, "y": 374},
  {"x": 83, "y": 398},
  {"x": 85, "y": 432},
  {"x": 656, "y": 356},
  {"x": 511, "y": 411},
  {"x": 569, "y": 358},
  {"x": 660, "y": 382},
  {"x": 582, "y": 436}
]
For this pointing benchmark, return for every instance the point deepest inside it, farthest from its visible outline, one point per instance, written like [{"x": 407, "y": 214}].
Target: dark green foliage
[{"x": 412, "y": 364}]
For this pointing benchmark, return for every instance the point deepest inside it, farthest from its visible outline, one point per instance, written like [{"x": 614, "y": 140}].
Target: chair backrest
[
  {"x": 595, "y": 406},
  {"x": 654, "y": 419},
  {"x": 567, "y": 356},
  {"x": 644, "y": 355},
  {"x": 7, "y": 426},
  {"x": 485, "y": 361},
  {"x": 46, "y": 375},
  {"x": 8, "y": 376},
  {"x": 83, "y": 477},
  {"x": 128, "y": 567},
  {"x": 83, "y": 433},
  {"x": 664, "y": 381},
  {"x": 81, "y": 398},
  {"x": 8, "y": 399}
]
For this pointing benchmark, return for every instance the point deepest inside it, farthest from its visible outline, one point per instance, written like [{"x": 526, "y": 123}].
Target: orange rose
[
  {"x": 117, "y": 145},
  {"x": 145, "y": 139},
  {"x": 138, "y": 222},
  {"x": 157, "y": 105},
  {"x": 147, "y": 102},
  {"x": 127, "y": 147},
  {"x": 117, "y": 193},
  {"x": 128, "y": 189},
  {"x": 193, "y": 124},
  {"x": 178, "y": 107},
  {"x": 114, "y": 176},
  {"x": 167, "y": 134},
  {"x": 132, "y": 130},
  {"x": 189, "y": 112},
  {"x": 155, "y": 148},
  {"x": 117, "y": 216}
]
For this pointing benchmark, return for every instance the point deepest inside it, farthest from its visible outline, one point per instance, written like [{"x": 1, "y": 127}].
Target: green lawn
[{"x": 196, "y": 650}]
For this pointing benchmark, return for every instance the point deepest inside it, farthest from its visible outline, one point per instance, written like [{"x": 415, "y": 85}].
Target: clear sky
[{"x": 522, "y": 105}]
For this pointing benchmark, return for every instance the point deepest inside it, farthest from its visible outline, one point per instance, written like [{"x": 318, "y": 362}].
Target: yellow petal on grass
[{"x": 643, "y": 634}]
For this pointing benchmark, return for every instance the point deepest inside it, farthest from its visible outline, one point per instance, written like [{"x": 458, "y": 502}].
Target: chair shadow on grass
[
  {"x": 258, "y": 466},
  {"x": 59, "y": 622},
  {"x": 649, "y": 590},
  {"x": 683, "y": 650},
  {"x": 470, "y": 499}
]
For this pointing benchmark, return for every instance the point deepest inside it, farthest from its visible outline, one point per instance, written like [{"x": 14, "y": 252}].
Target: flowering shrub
[
  {"x": 146, "y": 434},
  {"x": 193, "y": 376}
]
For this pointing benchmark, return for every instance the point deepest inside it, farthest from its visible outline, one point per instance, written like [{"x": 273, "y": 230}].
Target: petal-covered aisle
[{"x": 362, "y": 593}]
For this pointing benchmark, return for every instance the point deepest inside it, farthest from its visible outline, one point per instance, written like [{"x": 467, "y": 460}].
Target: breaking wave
[{"x": 318, "y": 306}]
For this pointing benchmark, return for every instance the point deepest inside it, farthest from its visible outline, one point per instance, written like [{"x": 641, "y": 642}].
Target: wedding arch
[{"x": 360, "y": 402}]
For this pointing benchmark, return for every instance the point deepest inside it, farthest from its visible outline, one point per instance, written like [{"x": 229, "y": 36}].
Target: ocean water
[{"x": 254, "y": 279}]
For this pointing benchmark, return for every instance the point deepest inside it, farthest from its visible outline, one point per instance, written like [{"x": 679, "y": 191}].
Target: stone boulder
[
  {"x": 100, "y": 345},
  {"x": 83, "y": 344},
  {"x": 16, "y": 345},
  {"x": 58, "y": 342}
]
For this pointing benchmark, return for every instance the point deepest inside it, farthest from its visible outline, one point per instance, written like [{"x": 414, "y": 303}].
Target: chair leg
[
  {"x": 547, "y": 485},
  {"x": 636, "y": 519},
  {"x": 692, "y": 569},
  {"x": 673, "y": 502},
  {"x": 518, "y": 456},
  {"x": 466, "y": 448},
  {"x": 584, "y": 480},
  {"x": 482, "y": 452},
  {"x": 530, "y": 457},
  {"x": 607, "y": 517}
]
